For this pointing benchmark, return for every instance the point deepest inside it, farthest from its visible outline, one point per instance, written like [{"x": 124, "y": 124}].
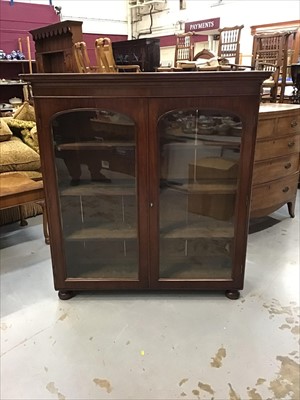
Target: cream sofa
[{"x": 19, "y": 152}]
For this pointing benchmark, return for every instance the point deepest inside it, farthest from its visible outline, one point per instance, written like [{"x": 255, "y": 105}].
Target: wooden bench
[{"x": 17, "y": 189}]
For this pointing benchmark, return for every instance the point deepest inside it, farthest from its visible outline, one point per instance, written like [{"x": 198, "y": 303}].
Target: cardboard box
[
  {"x": 212, "y": 168},
  {"x": 210, "y": 173},
  {"x": 218, "y": 206}
]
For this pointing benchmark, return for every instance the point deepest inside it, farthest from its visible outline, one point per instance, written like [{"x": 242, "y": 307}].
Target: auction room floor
[{"x": 157, "y": 345}]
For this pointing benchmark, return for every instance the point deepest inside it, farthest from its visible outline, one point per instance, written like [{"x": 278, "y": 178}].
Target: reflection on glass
[
  {"x": 95, "y": 164},
  {"x": 199, "y": 163}
]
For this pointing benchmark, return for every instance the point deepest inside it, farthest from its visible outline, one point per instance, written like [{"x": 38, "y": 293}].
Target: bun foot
[
  {"x": 65, "y": 294},
  {"x": 232, "y": 294}
]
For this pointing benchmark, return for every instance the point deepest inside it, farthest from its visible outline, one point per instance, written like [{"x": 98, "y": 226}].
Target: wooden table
[{"x": 17, "y": 189}]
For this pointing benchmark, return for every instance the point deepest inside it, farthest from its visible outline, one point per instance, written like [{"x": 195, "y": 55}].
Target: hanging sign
[{"x": 204, "y": 25}]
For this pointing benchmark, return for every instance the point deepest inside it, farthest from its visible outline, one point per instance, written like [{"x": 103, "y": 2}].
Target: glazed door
[
  {"x": 196, "y": 191},
  {"x": 96, "y": 168}
]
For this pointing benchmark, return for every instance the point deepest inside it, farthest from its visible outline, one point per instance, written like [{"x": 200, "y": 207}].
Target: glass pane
[
  {"x": 199, "y": 161},
  {"x": 95, "y": 165}
]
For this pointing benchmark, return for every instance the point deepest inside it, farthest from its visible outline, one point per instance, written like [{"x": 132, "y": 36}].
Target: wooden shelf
[
  {"x": 16, "y": 61},
  {"x": 98, "y": 189},
  {"x": 98, "y": 233},
  {"x": 206, "y": 188},
  {"x": 105, "y": 122},
  {"x": 93, "y": 145},
  {"x": 108, "y": 269},
  {"x": 13, "y": 83},
  {"x": 167, "y": 232},
  {"x": 189, "y": 232},
  {"x": 196, "y": 136},
  {"x": 10, "y": 83},
  {"x": 211, "y": 267}
]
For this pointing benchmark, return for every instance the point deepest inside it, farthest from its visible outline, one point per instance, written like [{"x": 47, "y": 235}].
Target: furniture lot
[{"x": 134, "y": 229}]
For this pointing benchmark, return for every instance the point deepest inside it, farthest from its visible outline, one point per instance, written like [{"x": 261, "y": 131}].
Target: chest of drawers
[{"x": 276, "y": 160}]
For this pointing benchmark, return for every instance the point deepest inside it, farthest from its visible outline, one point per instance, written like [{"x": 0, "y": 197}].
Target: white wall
[
  {"x": 98, "y": 16},
  {"x": 111, "y": 16},
  {"x": 248, "y": 13},
  {"x": 231, "y": 12}
]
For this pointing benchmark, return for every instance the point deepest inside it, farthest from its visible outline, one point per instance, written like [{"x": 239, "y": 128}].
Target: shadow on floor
[{"x": 259, "y": 224}]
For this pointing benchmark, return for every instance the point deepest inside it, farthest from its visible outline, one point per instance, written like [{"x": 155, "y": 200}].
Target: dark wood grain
[{"x": 144, "y": 98}]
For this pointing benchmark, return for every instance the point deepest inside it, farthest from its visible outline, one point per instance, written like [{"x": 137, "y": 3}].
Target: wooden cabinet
[
  {"x": 54, "y": 46},
  {"x": 147, "y": 178},
  {"x": 276, "y": 167},
  {"x": 10, "y": 83},
  {"x": 144, "y": 52}
]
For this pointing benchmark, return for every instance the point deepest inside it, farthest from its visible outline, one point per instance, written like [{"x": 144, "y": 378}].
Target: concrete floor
[{"x": 152, "y": 346}]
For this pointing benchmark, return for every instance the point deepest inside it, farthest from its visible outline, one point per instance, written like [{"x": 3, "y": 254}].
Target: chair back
[
  {"x": 184, "y": 50},
  {"x": 104, "y": 55},
  {"x": 106, "y": 61},
  {"x": 229, "y": 43},
  {"x": 269, "y": 49},
  {"x": 270, "y": 53},
  {"x": 82, "y": 59}
]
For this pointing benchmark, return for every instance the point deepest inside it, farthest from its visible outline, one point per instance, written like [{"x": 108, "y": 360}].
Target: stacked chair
[
  {"x": 82, "y": 59},
  {"x": 104, "y": 56},
  {"x": 106, "y": 61}
]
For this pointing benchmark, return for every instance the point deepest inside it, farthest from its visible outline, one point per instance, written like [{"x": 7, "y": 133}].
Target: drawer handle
[
  {"x": 294, "y": 123},
  {"x": 287, "y": 165},
  {"x": 286, "y": 189},
  {"x": 291, "y": 144}
]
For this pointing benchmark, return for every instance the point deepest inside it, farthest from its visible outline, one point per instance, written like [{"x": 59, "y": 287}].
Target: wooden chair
[
  {"x": 83, "y": 63},
  {"x": 184, "y": 54},
  {"x": 184, "y": 50},
  {"x": 270, "y": 53},
  {"x": 229, "y": 44},
  {"x": 228, "y": 55},
  {"x": 106, "y": 61}
]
